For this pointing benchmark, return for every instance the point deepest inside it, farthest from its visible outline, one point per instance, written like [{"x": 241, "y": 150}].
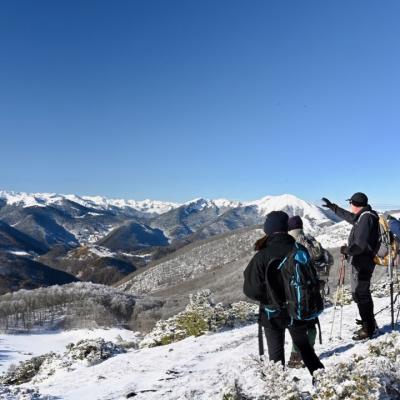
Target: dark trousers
[
  {"x": 275, "y": 334},
  {"x": 360, "y": 289}
]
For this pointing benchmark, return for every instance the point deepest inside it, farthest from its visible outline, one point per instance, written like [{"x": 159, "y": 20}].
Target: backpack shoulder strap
[
  {"x": 367, "y": 212},
  {"x": 301, "y": 254},
  {"x": 292, "y": 252}
]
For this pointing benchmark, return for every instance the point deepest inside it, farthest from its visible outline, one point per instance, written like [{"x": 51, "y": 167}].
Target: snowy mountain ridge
[
  {"x": 96, "y": 202},
  {"x": 264, "y": 205}
]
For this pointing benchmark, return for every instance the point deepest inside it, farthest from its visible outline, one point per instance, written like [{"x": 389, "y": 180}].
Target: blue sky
[{"x": 180, "y": 99}]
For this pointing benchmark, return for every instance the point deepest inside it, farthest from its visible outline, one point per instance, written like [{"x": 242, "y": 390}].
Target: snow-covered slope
[
  {"x": 203, "y": 368},
  {"x": 335, "y": 235},
  {"x": 19, "y": 347},
  {"x": 195, "y": 260}
]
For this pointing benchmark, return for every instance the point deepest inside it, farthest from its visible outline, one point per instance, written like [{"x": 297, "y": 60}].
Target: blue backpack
[{"x": 293, "y": 284}]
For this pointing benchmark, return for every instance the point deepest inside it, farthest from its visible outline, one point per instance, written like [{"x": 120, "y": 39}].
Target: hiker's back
[
  {"x": 320, "y": 257},
  {"x": 277, "y": 247},
  {"x": 309, "y": 242},
  {"x": 301, "y": 284},
  {"x": 272, "y": 251}
]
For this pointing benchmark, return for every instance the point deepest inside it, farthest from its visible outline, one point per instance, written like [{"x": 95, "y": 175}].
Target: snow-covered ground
[
  {"x": 335, "y": 235},
  {"x": 15, "y": 348},
  {"x": 195, "y": 368}
]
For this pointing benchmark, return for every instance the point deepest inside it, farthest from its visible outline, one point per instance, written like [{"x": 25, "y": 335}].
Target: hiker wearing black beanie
[{"x": 275, "y": 246}]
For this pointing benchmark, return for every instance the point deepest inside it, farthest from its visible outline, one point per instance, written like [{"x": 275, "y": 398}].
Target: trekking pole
[
  {"x": 397, "y": 282},
  {"x": 260, "y": 335},
  {"x": 336, "y": 299},
  {"x": 390, "y": 266},
  {"x": 334, "y": 307},
  {"x": 342, "y": 296}
]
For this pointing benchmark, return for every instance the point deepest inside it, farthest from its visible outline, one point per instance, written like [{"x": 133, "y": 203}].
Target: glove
[
  {"x": 327, "y": 204},
  {"x": 343, "y": 250}
]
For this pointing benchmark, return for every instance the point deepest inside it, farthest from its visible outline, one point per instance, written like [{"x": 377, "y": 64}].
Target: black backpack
[{"x": 293, "y": 284}]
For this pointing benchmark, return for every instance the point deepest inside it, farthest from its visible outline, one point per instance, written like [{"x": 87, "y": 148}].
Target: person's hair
[{"x": 261, "y": 243}]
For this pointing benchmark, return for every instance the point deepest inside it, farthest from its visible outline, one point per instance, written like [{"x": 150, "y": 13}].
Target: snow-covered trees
[
  {"x": 193, "y": 261},
  {"x": 73, "y": 305}
]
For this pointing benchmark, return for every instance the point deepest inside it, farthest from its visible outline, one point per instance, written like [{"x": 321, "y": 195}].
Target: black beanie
[
  {"x": 295, "y": 223},
  {"x": 276, "y": 221}
]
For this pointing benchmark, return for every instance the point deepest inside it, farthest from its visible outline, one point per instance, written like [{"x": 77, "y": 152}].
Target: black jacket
[
  {"x": 278, "y": 246},
  {"x": 363, "y": 238}
]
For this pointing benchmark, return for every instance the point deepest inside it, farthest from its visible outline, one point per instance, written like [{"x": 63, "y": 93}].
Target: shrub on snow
[
  {"x": 24, "y": 371},
  {"x": 92, "y": 351},
  {"x": 342, "y": 296},
  {"x": 88, "y": 351},
  {"x": 199, "y": 317},
  {"x": 263, "y": 380},
  {"x": 13, "y": 393},
  {"x": 382, "y": 288},
  {"x": 373, "y": 376}
]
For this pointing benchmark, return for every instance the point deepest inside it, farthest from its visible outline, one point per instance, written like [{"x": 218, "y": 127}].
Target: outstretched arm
[{"x": 339, "y": 211}]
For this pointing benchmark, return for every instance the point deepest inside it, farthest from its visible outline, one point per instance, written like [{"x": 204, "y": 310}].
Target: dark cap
[
  {"x": 358, "y": 199},
  {"x": 295, "y": 223},
  {"x": 276, "y": 221}
]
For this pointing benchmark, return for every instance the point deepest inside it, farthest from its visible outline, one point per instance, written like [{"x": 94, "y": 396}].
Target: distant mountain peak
[{"x": 201, "y": 202}]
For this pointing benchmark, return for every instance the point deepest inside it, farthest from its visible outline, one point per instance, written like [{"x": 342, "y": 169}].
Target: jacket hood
[{"x": 296, "y": 233}]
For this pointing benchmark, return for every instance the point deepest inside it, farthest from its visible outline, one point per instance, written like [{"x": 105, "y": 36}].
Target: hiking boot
[
  {"x": 359, "y": 322},
  {"x": 364, "y": 333},
  {"x": 314, "y": 382},
  {"x": 295, "y": 361}
]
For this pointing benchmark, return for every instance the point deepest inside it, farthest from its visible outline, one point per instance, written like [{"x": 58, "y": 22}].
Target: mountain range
[{"x": 103, "y": 240}]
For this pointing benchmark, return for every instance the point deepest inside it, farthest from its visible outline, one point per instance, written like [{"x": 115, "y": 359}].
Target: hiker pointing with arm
[
  {"x": 269, "y": 279},
  {"x": 360, "y": 251}
]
